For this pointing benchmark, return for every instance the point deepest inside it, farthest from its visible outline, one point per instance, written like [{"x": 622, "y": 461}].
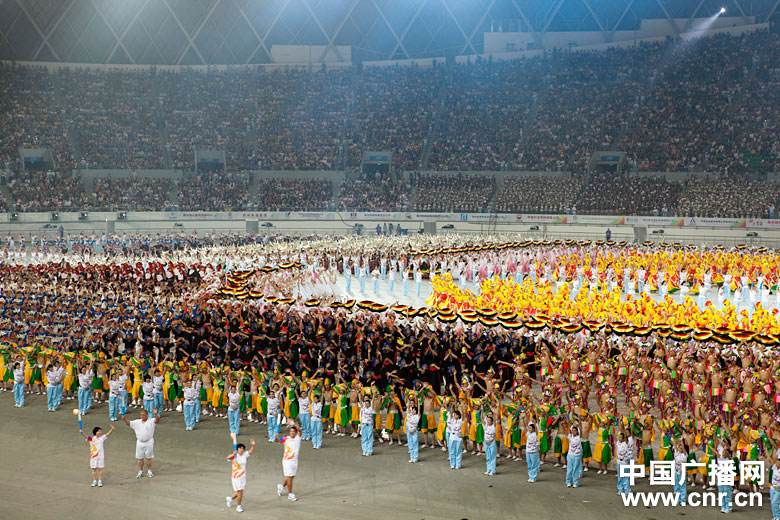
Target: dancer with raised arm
[{"x": 144, "y": 446}]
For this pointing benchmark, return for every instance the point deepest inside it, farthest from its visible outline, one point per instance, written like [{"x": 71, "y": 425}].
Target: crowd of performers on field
[
  {"x": 297, "y": 364},
  {"x": 153, "y": 333}
]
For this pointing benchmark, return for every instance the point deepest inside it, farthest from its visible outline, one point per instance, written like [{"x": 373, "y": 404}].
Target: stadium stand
[
  {"x": 730, "y": 196},
  {"x": 215, "y": 191},
  {"x": 374, "y": 193},
  {"x": 46, "y": 191},
  {"x": 137, "y": 194},
  {"x": 709, "y": 105},
  {"x": 538, "y": 194},
  {"x": 293, "y": 194},
  {"x": 453, "y": 192}
]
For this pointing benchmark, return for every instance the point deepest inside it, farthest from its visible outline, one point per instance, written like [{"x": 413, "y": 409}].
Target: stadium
[{"x": 529, "y": 246}]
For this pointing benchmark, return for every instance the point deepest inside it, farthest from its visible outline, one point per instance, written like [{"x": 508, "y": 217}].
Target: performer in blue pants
[
  {"x": 113, "y": 397},
  {"x": 85, "y": 389},
  {"x": 18, "y": 385},
  {"x": 272, "y": 415},
  {"x": 454, "y": 439},
  {"x": 625, "y": 452},
  {"x": 367, "y": 428},
  {"x": 234, "y": 410},
  {"x": 532, "y": 452},
  {"x": 574, "y": 459},
  {"x": 122, "y": 378},
  {"x": 412, "y": 439},
  {"x": 316, "y": 422},
  {"x": 191, "y": 396},
  {"x": 680, "y": 476},
  {"x": 54, "y": 376},
  {"x": 491, "y": 449}
]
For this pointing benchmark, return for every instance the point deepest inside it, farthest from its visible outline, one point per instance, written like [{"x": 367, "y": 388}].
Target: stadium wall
[{"x": 727, "y": 231}]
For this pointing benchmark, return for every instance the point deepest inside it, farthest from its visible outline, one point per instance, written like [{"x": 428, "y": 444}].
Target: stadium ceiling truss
[{"x": 198, "y": 32}]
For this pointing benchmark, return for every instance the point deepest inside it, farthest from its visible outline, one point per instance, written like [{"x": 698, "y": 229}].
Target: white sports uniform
[
  {"x": 96, "y": 452},
  {"x": 292, "y": 446},
  {"x": 238, "y": 471},
  {"x": 144, "y": 435}
]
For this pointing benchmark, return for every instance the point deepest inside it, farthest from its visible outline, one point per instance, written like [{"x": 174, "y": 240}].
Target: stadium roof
[{"x": 198, "y": 32}]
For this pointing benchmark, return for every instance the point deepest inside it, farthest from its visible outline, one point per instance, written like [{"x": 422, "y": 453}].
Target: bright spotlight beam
[{"x": 701, "y": 27}]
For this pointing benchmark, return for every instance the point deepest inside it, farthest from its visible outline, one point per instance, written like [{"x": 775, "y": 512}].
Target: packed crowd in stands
[
  {"x": 275, "y": 194},
  {"x": 133, "y": 193},
  {"x": 215, "y": 191},
  {"x": 31, "y": 115},
  {"x": 538, "y": 194},
  {"x": 453, "y": 192},
  {"x": 712, "y": 105},
  {"x": 282, "y": 120},
  {"x": 599, "y": 194},
  {"x": 363, "y": 192},
  {"x": 46, "y": 191},
  {"x": 114, "y": 118},
  {"x": 734, "y": 197},
  {"x": 393, "y": 110},
  {"x": 708, "y": 105},
  {"x": 626, "y": 195}
]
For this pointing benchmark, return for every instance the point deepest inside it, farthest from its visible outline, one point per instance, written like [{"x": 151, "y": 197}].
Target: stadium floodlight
[{"x": 722, "y": 10}]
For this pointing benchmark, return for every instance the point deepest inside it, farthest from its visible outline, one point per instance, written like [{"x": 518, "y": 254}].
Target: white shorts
[
  {"x": 289, "y": 468},
  {"x": 239, "y": 483},
  {"x": 144, "y": 450},
  {"x": 97, "y": 463}
]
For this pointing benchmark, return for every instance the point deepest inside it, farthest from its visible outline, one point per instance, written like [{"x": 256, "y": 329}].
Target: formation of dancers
[{"x": 155, "y": 331}]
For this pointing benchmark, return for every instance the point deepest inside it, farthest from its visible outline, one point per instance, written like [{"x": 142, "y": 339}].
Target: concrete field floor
[{"x": 46, "y": 476}]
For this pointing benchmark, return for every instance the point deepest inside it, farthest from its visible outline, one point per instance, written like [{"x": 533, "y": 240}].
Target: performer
[
  {"x": 54, "y": 376},
  {"x": 304, "y": 413},
  {"x": 367, "y": 427},
  {"x": 491, "y": 449},
  {"x": 532, "y": 451},
  {"x": 292, "y": 448},
  {"x": 316, "y": 421},
  {"x": 574, "y": 458},
  {"x": 97, "y": 453},
  {"x": 18, "y": 385},
  {"x": 680, "y": 475},
  {"x": 123, "y": 379},
  {"x": 625, "y": 450},
  {"x": 725, "y": 492},
  {"x": 144, "y": 446},
  {"x": 234, "y": 411},
  {"x": 114, "y": 387},
  {"x": 238, "y": 460},
  {"x": 158, "y": 381},
  {"x": 454, "y": 439},
  {"x": 191, "y": 396},
  {"x": 85, "y": 388},
  {"x": 272, "y": 417},
  {"x": 412, "y": 438},
  {"x": 147, "y": 387}
]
